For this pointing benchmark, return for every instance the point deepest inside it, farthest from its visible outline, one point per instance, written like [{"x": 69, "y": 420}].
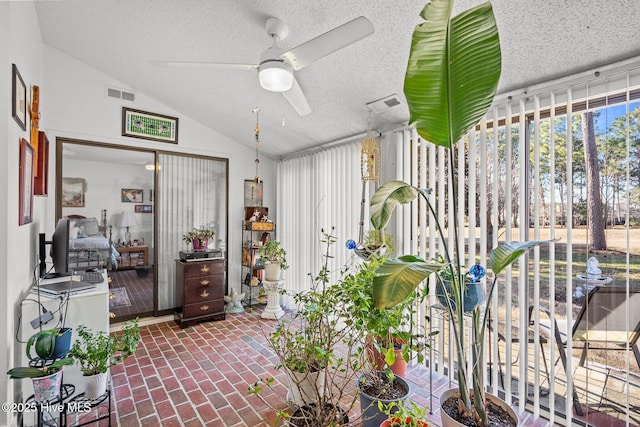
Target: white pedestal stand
[{"x": 273, "y": 309}]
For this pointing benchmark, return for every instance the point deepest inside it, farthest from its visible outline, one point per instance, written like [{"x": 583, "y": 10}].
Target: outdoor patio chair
[{"x": 601, "y": 324}]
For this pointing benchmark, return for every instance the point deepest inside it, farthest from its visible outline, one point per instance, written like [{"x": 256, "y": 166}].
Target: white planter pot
[
  {"x": 95, "y": 385},
  {"x": 447, "y": 421},
  {"x": 272, "y": 272},
  {"x": 305, "y": 387}
]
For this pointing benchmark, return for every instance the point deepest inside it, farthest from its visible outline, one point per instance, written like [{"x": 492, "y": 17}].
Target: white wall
[{"x": 73, "y": 105}]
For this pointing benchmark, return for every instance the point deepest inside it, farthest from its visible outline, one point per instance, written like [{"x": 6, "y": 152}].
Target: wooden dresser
[{"x": 200, "y": 290}]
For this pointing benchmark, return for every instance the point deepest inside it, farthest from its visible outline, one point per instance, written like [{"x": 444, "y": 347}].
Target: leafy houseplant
[
  {"x": 450, "y": 82},
  {"x": 199, "y": 237},
  {"x": 44, "y": 369},
  {"x": 306, "y": 342},
  {"x": 405, "y": 414},
  {"x": 273, "y": 253},
  {"x": 95, "y": 352}
]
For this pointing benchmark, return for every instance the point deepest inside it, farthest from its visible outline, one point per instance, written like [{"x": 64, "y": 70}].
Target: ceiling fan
[{"x": 276, "y": 66}]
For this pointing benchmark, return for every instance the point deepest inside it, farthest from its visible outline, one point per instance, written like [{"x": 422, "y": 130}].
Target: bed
[{"x": 87, "y": 246}]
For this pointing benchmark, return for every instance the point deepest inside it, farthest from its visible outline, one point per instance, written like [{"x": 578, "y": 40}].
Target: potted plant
[
  {"x": 199, "y": 238},
  {"x": 305, "y": 342},
  {"x": 379, "y": 389},
  {"x": 451, "y": 79},
  {"x": 44, "y": 369},
  {"x": 274, "y": 258},
  {"x": 405, "y": 414},
  {"x": 95, "y": 352}
]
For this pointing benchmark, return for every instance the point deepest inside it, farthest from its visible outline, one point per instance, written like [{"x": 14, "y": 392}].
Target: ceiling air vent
[
  {"x": 382, "y": 105},
  {"x": 120, "y": 94}
]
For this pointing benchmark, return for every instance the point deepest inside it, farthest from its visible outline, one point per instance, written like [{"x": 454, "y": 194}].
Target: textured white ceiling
[{"x": 540, "y": 41}]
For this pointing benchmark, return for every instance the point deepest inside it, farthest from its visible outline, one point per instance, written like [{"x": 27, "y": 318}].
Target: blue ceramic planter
[{"x": 473, "y": 295}]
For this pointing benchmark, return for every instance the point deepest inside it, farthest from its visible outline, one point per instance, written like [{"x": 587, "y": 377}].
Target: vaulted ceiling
[{"x": 126, "y": 38}]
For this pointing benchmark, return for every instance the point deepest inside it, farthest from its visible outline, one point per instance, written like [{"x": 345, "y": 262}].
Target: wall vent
[
  {"x": 382, "y": 105},
  {"x": 120, "y": 94}
]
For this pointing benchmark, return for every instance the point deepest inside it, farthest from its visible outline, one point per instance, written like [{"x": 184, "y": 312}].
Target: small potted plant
[
  {"x": 44, "y": 369},
  {"x": 405, "y": 414},
  {"x": 274, "y": 258},
  {"x": 95, "y": 352},
  {"x": 379, "y": 389},
  {"x": 199, "y": 238}
]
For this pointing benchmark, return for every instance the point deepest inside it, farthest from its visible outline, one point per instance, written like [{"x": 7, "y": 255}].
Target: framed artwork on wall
[
  {"x": 19, "y": 99},
  {"x": 143, "y": 209},
  {"x": 25, "y": 182},
  {"x": 145, "y": 125},
  {"x": 252, "y": 193},
  {"x": 131, "y": 195},
  {"x": 41, "y": 179},
  {"x": 73, "y": 192}
]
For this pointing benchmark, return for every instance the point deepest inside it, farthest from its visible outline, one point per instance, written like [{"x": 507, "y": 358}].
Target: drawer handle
[
  {"x": 204, "y": 294},
  {"x": 204, "y": 269},
  {"x": 204, "y": 308},
  {"x": 204, "y": 282}
]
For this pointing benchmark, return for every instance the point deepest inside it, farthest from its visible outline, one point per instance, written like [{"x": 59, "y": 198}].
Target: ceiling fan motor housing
[{"x": 274, "y": 73}]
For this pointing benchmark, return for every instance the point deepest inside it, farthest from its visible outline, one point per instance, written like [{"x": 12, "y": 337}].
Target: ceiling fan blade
[
  {"x": 219, "y": 65},
  {"x": 329, "y": 42},
  {"x": 296, "y": 98}
]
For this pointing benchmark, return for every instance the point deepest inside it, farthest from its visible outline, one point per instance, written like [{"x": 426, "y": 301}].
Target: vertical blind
[{"x": 191, "y": 192}]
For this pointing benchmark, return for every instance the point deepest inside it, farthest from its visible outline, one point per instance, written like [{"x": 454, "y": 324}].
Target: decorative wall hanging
[
  {"x": 41, "y": 179},
  {"x": 145, "y": 125},
  {"x": 34, "y": 112},
  {"x": 253, "y": 193},
  {"x": 132, "y": 195},
  {"x": 25, "y": 182},
  {"x": 19, "y": 99},
  {"x": 73, "y": 192}
]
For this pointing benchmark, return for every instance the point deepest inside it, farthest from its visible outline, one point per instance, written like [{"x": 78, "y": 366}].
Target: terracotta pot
[
  {"x": 398, "y": 422},
  {"x": 447, "y": 421},
  {"x": 399, "y": 367}
]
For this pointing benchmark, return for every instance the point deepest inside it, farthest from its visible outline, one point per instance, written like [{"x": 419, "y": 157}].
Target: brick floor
[{"x": 199, "y": 376}]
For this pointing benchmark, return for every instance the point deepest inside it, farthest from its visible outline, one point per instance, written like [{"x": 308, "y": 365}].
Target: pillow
[
  {"x": 89, "y": 226},
  {"x": 73, "y": 232},
  {"x": 79, "y": 233}
]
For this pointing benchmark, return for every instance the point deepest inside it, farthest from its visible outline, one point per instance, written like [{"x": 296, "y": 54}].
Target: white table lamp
[{"x": 127, "y": 220}]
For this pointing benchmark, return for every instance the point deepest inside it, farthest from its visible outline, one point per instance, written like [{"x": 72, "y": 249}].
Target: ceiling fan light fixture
[{"x": 275, "y": 76}]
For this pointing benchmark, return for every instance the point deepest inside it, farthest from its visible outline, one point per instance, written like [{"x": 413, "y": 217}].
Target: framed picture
[
  {"x": 19, "y": 99},
  {"x": 73, "y": 192},
  {"x": 25, "y": 181},
  {"x": 131, "y": 195},
  {"x": 143, "y": 208},
  {"x": 145, "y": 125},
  {"x": 252, "y": 193},
  {"x": 41, "y": 179}
]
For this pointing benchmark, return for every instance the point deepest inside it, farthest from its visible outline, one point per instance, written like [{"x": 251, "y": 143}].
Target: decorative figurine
[{"x": 234, "y": 302}]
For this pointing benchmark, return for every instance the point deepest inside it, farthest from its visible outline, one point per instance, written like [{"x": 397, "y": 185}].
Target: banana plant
[{"x": 451, "y": 80}]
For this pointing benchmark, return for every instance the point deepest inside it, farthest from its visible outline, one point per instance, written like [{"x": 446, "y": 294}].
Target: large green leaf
[
  {"x": 399, "y": 277},
  {"x": 385, "y": 200},
  {"x": 453, "y": 71},
  {"x": 506, "y": 253}
]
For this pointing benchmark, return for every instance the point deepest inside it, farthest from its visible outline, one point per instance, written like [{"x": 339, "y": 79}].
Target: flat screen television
[{"x": 59, "y": 251}]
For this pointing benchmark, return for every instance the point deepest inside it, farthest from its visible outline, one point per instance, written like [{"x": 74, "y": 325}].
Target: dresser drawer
[
  {"x": 203, "y": 268},
  {"x": 203, "y": 308},
  {"x": 198, "y": 294},
  {"x": 204, "y": 281}
]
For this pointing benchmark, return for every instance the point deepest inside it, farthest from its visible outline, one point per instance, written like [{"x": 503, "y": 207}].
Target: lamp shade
[
  {"x": 127, "y": 219},
  {"x": 275, "y": 76}
]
